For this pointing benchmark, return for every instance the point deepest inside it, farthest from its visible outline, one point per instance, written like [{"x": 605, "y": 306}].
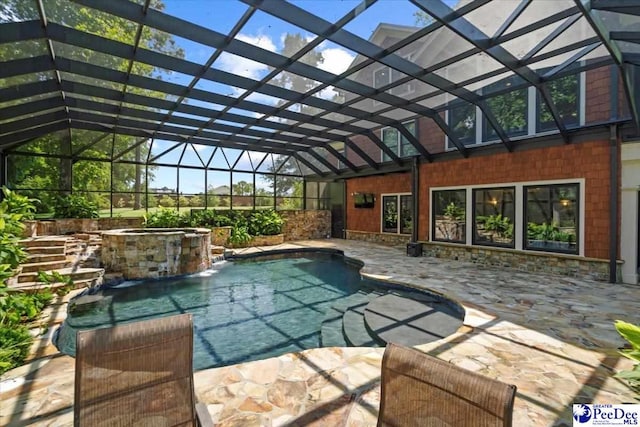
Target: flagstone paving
[{"x": 551, "y": 336}]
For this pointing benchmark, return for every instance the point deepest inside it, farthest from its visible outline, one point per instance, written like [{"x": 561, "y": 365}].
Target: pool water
[{"x": 244, "y": 310}]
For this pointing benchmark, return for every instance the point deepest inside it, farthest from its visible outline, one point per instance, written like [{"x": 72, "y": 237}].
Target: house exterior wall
[
  {"x": 369, "y": 219},
  {"x": 588, "y": 161}
]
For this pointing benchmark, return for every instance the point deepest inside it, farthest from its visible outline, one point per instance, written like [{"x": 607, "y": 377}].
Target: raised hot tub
[{"x": 140, "y": 253}]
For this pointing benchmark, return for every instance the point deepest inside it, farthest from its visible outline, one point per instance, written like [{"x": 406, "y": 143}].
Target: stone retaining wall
[
  {"x": 561, "y": 264},
  {"x": 299, "y": 225},
  {"x": 306, "y": 225},
  {"x": 56, "y": 227},
  {"x": 154, "y": 253}
]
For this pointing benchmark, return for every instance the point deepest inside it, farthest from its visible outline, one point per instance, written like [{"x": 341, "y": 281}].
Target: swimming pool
[{"x": 242, "y": 310}]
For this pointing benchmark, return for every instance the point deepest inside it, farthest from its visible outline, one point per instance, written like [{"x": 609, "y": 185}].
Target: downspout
[{"x": 613, "y": 204}]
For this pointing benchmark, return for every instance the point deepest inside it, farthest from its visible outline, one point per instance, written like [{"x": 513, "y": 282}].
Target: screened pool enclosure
[{"x": 262, "y": 103}]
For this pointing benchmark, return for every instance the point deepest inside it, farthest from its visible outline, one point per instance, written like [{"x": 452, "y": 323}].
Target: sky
[{"x": 264, "y": 31}]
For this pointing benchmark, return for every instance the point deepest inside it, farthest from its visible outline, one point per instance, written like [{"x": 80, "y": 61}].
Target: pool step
[
  {"x": 411, "y": 318},
  {"x": 355, "y": 330},
  {"x": 332, "y": 330}
]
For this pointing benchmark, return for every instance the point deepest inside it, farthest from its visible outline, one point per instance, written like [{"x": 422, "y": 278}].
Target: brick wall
[
  {"x": 585, "y": 160},
  {"x": 598, "y": 99}
]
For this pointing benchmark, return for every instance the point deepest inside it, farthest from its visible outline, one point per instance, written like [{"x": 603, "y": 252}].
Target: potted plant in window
[
  {"x": 451, "y": 225},
  {"x": 549, "y": 236}
]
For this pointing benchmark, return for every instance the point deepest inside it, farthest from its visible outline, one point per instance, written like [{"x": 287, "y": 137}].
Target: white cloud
[
  {"x": 336, "y": 60},
  {"x": 246, "y": 67}
]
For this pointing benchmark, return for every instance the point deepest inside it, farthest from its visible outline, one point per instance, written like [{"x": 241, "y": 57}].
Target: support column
[
  {"x": 415, "y": 191},
  {"x": 137, "y": 186}
]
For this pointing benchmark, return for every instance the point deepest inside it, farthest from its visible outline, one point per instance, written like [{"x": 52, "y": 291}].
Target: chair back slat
[
  {"x": 138, "y": 373},
  {"x": 421, "y": 390}
]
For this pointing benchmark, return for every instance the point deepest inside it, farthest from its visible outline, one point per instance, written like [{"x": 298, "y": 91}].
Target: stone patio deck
[{"x": 551, "y": 336}]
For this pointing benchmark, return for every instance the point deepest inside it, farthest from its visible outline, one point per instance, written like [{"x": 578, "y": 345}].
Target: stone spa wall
[{"x": 155, "y": 253}]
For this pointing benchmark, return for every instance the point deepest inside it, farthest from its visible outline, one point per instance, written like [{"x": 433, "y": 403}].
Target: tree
[
  {"x": 288, "y": 175},
  {"x": 293, "y": 43},
  {"x": 242, "y": 188}
]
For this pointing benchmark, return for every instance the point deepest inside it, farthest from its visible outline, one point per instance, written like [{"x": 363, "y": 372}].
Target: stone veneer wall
[
  {"x": 561, "y": 264},
  {"x": 382, "y": 238},
  {"x": 141, "y": 254},
  {"x": 306, "y": 225}
]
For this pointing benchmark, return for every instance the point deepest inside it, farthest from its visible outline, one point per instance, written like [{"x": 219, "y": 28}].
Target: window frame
[
  {"x": 398, "y": 200},
  {"x": 532, "y": 117},
  {"x": 538, "y": 105},
  {"x": 409, "y": 86},
  {"x": 577, "y": 214},
  {"x": 433, "y": 216},
  {"x": 474, "y": 223},
  {"x": 398, "y": 142}
]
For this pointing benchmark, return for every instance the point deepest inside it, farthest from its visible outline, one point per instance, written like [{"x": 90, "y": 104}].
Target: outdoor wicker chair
[
  {"x": 420, "y": 390},
  {"x": 137, "y": 374}
]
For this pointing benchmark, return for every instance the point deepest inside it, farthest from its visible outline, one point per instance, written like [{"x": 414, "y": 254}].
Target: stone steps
[
  {"x": 46, "y": 250},
  {"x": 40, "y": 258},
  {"x": 32, "y": 287},
  {"x": 44, "y": 266},
  {"x": 47, "y": 241},
  {"x": 75, "y": 273}
]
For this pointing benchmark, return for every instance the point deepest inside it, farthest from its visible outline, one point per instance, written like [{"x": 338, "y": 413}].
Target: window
[
  {"x": 449, "y": 215},
  {"x": 462, "y": 120},
  {"x": 400, "y": 145},
  {"x": 397, "y": 213},
  {"x": 515, "y": 110},
  {"x": 551, "y": 213},
  {"x": 385, "y": 76},
  {"x": 509, "y": 109},
  {"x": 565, "y": 93},
  {"x": 494, "y": 216},
  {"x": 340, "y": 147}
]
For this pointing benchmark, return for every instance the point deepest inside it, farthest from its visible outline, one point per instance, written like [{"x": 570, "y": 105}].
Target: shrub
[
  {"x": 196, "y": 201},
  {"x": 167, "y": 202},
  {"x": 16, "y": 342},
  {"x": 265, "y": 223},
  {"x": 166, "y": 218},
  {"x": 631, "y": 333},
  {"x": 15, "y": 307},
  {"x": 74, "y": 206},
  {"x": 239, "y": 236},
  {"x": 222, "y": 221},
  {"x": 19, "y": 204}
]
